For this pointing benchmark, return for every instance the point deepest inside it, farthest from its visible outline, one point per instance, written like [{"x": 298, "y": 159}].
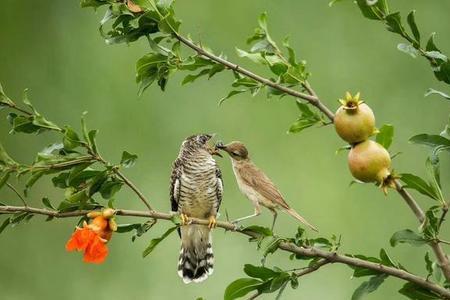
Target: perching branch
[{"x": 328, "y": 257}]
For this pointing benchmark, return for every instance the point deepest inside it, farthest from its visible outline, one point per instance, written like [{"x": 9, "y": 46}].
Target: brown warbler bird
[
  {"x": 196, "y": 191},
  {"x": 256, "y": 186}
]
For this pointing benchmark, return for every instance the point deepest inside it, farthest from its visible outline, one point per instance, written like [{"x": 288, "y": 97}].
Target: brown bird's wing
[
  {"x": 258, "y": 180},
  {"x": 219, "y": 187}
]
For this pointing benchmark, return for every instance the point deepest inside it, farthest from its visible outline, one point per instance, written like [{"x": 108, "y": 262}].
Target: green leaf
[
  {"x": 128, "y": 160},
  {"x": 306, "y": 119},
  {"x": 192, "y": 77},
  {"x": 420, "y": 185},
  {"x": 4, "y": 178},
  {"x": 155, "y": 242},
  {"x": 47, "y": 203},
  {"x": 373, "y": 11},
  {"x": 384, "y": 137},
  {"x": 254, "y": 57},
  {"x": 412, "y": 24},
  {"x": 386, "y": 259},
  {"x": 264, "y": 231},
  {"x": 122, "y": 228},
  {"x": 241, "y": 287},
  {"x": 110, "y": 188},
  {"x": 92, "y": 142},
  {"x": 431, "y": 91},
  {"x": 5, "y": 224},
  {"x": 260, "y": 272},
  {"x": 430, "y": 140},
  {"x": 407, "y": 236},
  {"x": 70, "y": 139},
  {"x": 394, "y": 23},
  {"x": 416, "y": 292},
  {"x": 231, "y": 94},
  {"x": 369, "y": 286},
  {"x": 434, "y": 175},
  {"x": 408, "y": 49},
  {"x": 360, "y": 271}
]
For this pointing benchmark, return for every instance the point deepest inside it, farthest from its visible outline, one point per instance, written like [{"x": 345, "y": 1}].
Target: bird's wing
[
  {"x": 175, "y": 184},
  {"x": 258, "y": 180},
  {"x": 219, "y": 187}
]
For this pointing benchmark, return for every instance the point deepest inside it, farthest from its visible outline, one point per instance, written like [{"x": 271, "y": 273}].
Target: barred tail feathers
[{"x": 196, "y": 256}]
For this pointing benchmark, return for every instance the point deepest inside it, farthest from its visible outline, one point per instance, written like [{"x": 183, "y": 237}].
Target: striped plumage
[{"x": 196, "y": 191}]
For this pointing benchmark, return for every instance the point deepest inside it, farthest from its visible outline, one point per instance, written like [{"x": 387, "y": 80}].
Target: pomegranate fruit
[
  {"x": 369, "y": 162},
  {"x": 354, "y": 120}
]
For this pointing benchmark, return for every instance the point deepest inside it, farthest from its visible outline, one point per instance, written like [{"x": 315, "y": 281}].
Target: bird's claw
[
  {"x": 184, "y": 219},
  {"x": 212, "y": 222}
]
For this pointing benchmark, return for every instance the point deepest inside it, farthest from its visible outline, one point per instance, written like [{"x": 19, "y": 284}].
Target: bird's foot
[
  {"x": 212, "y": 222},
  {"x": 184, "y": 219}
]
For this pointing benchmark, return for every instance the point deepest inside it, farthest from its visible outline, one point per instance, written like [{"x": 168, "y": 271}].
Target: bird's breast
[{"x": 198, "y": 187}]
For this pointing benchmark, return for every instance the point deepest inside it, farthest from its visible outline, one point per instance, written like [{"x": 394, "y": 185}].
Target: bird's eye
[{"x": 235, "y": 153}]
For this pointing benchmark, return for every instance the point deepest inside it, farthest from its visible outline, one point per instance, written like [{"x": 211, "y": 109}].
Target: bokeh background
[{"x": 54, "y": 49}]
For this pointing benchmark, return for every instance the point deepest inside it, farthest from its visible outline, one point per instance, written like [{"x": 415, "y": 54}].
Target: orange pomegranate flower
[{"x": 92, "y": 239}]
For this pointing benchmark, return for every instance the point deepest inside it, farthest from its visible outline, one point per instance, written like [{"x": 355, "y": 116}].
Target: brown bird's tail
[
  {"x": 300, "y": 218},
  {"x": 196, "y": 256}
]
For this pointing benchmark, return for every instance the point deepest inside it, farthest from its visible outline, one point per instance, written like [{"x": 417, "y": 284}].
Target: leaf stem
[{"x": 11, "y": 187}]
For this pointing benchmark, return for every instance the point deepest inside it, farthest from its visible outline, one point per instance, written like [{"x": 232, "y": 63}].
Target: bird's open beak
[{"x": 214, "y": 150}]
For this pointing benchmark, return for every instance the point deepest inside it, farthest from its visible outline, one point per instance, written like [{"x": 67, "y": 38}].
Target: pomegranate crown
[{"x": 351, "y": 102}]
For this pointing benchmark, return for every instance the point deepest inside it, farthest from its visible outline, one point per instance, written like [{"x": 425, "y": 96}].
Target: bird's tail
[
  {"x": 196, "y": 256},
  {"x": 300, "y": 218}
]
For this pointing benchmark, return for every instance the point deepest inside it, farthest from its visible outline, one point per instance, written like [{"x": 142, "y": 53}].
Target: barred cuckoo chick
[
  {"x": 256, "y": 186},
  {"x": 196, "y": 191}
]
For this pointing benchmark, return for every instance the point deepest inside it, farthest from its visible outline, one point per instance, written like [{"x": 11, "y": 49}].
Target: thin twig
[
  {"x": 312, "y": 268},
  {"x": 441, "y": 257},
  {"x": 11, "y": 187},
  {"x": 255, "y": 295},
  {"x": 134, "y": 188},
  {"x": 331, "y": 257}
]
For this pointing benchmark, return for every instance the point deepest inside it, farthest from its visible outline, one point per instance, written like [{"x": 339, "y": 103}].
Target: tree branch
[
  {"x": 328, "y": 257},
  {"x": 311, "y": 97},
  {"x": 441, "y": 257}
]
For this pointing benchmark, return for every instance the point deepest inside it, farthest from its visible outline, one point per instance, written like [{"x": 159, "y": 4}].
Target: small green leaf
[
  {"x": 92, "y": 142},
  {"x": 47, "y": 203},
  {"x": 70, "y": 139},
  {"x": 369, "y": 286},
  {"x": 417, "y": 292},
  {"x": 420, "y": 185},
  {"x": 412, "y": 24},
  {"x": 155, "y": 242},
  {"x": 128, "y": 160},
  {"x": 407, "y": 236},
  {"x": 110, "y": 188},
  {"x": 394, "y": 23},
  {"x": 231, "y": 94},
  {"x": 5, "y": 224},
  {"x": 264, "y": 231},
  {"x": 385, "y": 136},
  {"x": 260, "y": 272},
  {"x": 241, "y": 287},
  {"x": 254, "y": 57},
  {"x": 386, "y": 259}
]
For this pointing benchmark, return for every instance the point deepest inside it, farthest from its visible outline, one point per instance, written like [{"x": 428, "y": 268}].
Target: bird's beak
[{"x": 214, "y": 150}]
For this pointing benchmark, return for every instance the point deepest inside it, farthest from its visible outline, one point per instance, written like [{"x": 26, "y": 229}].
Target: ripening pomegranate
[
  {"x": 354, "y": 120},
  {"x": 369, "y": 162}
]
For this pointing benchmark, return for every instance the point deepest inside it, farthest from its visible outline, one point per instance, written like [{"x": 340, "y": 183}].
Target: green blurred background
[{"x": 54, "y": 49}]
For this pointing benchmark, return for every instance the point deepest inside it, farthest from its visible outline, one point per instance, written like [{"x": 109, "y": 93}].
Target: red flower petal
[
  {"x": 80, "y": 239},
  {"x": 96, "y": 251}
]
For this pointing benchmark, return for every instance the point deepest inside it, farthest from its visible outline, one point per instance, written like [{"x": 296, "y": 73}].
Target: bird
[
  {"x": 196, "y": 191},
  {"x": 256, "y": 185}
]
